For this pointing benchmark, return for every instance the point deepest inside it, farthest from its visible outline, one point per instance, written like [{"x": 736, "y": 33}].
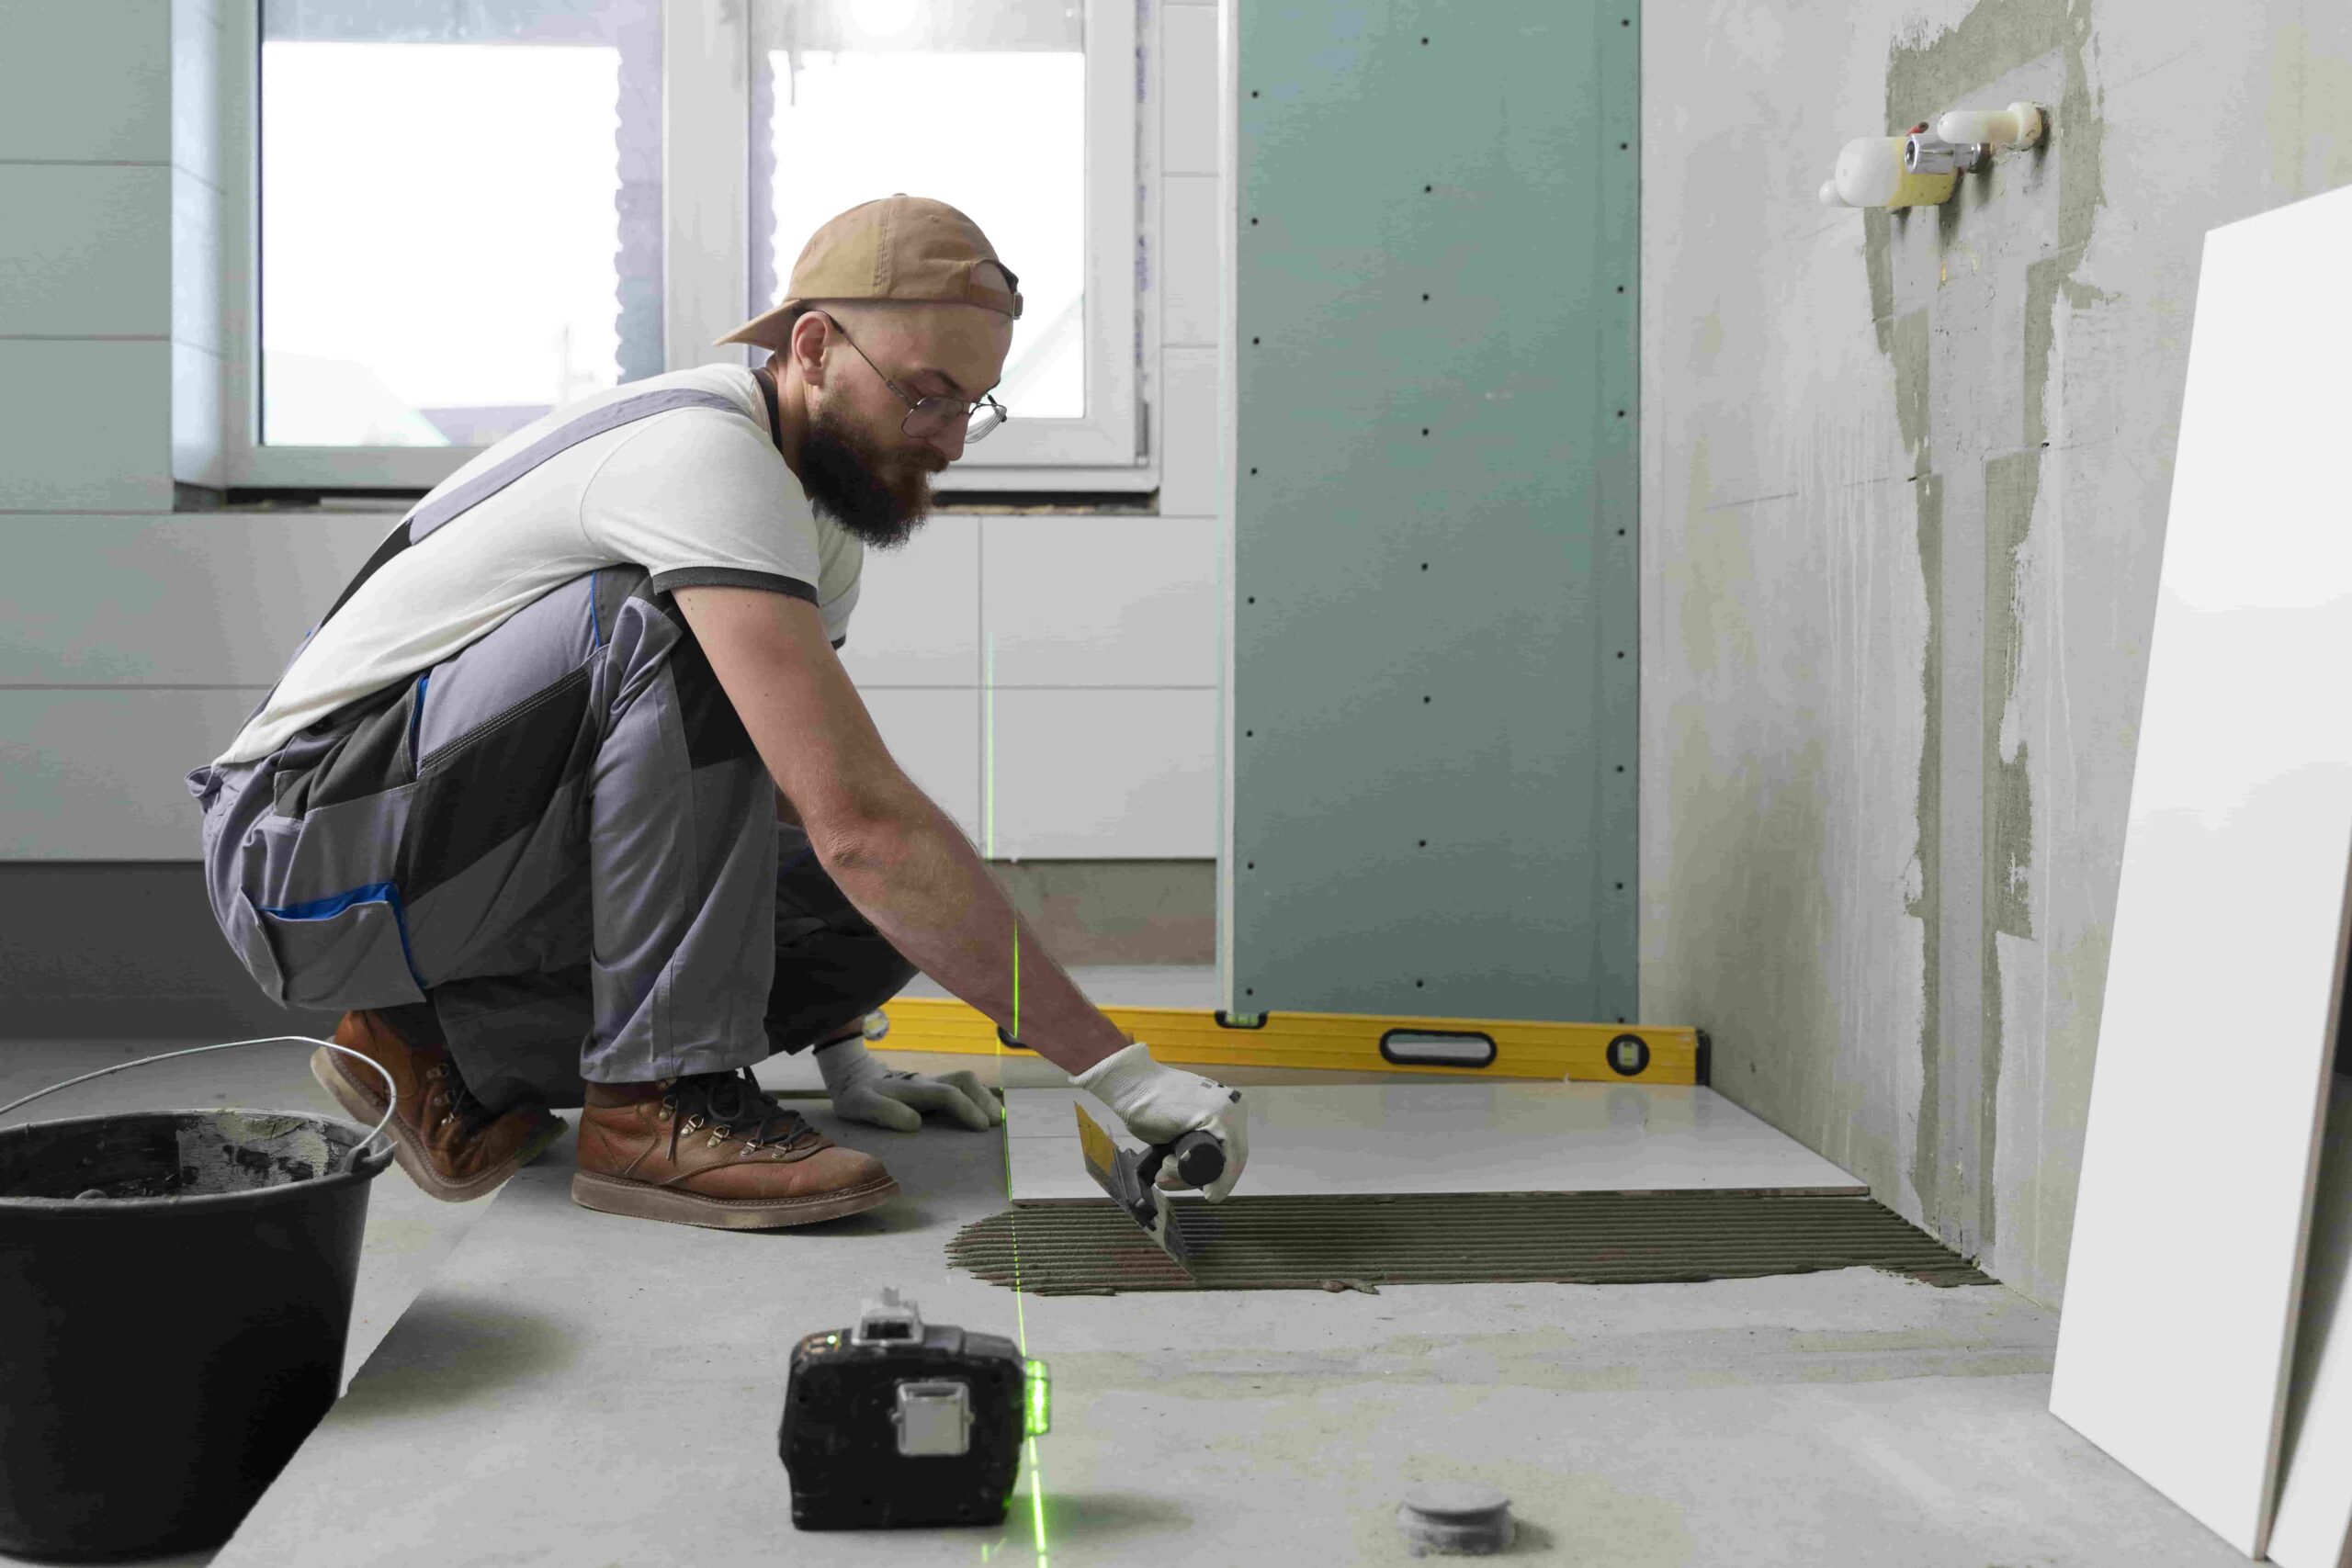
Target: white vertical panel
[
  {"x": 1101, "y": 601},
  {"x": 199, "y": 378},
  {"x": 100, "y": 774},
  {"x": 196, "y": 43},
  {"x": 917, "y": 620},
  {"x": 1188, "y": 484},
  {"x": 2228, "y": 939},
  {"x": 935, "y": 739},
  {"x": 87, "y": 81},
  {"x": 1188, "y": 101},
  {"x": 1188, "y": 259},
  {"x": 88, "y": 428},
  {"x": 705, "y": 181},
  {"x": 195, "y": 253},
  {"x": 1101, "y": 775},
  {"x": 86, "y": 250}
]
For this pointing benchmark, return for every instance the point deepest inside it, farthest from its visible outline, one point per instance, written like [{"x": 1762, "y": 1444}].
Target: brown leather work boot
[
  {"x": 450, "y": 1145},
  {"x": 715, "y": 1149}
]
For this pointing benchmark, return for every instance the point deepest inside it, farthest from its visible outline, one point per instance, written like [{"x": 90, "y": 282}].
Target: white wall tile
[
  {"x": 196, "y": 262},
  {"x": 1104, "y": 775},
  {"x": 917, "y": 621},
  {"x": 99, "y": 774},
  {"x": 935, "y": 739},
  {"x": 1188, "y": 259},
  {"x": 85, "y": 80},
  {"x": 89, "y": 427},
  {"x": 1188, "y": 78},
  {"x": 1188, "y": 469},
  {"x": 86, "y": 250},
  {"x": 194, "y": 598},
  {"x": 198, "y": 44},
  {"x": 199, "y": 378},
  {"x": 1100, "y": 601}
]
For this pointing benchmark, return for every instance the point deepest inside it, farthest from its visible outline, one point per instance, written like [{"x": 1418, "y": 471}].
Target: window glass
[
  {"x": 980, "y": 103},
  {"x": 460, "y": 214}
]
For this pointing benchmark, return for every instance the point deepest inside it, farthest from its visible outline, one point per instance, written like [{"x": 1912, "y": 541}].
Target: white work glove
[
  {"x": 1162, "y": 1104},
  {"x": 865, "y": 1090}
]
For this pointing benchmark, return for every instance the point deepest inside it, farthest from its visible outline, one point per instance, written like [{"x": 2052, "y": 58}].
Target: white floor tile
[
  {"x": 1309, "y": 1140},
  {"x": 2314, "y": 1524},
  {"x": 2229, "y": 905}
]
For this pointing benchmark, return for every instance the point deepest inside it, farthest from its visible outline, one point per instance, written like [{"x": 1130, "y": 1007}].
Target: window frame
[{"x": 706, "y": 266}]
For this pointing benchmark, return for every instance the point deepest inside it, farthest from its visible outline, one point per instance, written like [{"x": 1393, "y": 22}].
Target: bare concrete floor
[{"x": 542, "y": 1384}]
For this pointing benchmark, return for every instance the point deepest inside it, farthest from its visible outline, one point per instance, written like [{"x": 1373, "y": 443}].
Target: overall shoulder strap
[{"x": 441, "y": 507}]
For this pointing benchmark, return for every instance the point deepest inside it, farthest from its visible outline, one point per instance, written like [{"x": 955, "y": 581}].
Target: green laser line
[{"x": 1013, "y": 1212}]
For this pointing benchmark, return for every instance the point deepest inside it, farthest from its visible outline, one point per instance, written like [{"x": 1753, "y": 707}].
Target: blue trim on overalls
[{"x": 385, "y": 893}]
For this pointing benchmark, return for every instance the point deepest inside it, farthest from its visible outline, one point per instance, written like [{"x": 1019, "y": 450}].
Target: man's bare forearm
[{"x": 919, "y": 880}]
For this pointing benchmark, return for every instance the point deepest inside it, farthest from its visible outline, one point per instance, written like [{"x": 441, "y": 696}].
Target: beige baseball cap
[{"x": 901, "y": 247}]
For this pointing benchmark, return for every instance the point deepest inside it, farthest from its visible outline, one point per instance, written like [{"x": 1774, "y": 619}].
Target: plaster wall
[{"x": 1905, "y": 485}]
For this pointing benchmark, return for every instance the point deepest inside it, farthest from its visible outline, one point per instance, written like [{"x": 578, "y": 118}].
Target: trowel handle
[{"x": 1199, "y": 1157}]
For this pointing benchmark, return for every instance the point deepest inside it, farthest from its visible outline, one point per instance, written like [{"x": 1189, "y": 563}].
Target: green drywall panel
[{"x": 1429, "y": 719}]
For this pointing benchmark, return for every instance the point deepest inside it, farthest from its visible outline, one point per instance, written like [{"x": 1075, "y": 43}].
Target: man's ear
[{"x": 809, "y": 336}]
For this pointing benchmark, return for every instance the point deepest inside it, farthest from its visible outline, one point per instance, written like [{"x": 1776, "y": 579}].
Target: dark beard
[{"x": 844, "y": 475}]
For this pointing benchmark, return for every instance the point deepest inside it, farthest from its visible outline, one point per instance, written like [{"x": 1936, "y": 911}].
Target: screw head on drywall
[{"x": 1454, "y": 1518}]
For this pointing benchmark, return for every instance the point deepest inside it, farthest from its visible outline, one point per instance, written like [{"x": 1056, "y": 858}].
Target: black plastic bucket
[{"x": 176, "y": 1294}]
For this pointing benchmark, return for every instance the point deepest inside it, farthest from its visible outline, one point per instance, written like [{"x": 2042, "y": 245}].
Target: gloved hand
[
  {"x": 1162, "y": 1104},
  {"x": 865, "y": 1090}
]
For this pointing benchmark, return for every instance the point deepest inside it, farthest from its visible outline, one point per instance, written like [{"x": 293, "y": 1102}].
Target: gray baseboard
[
  {"x": 128, "y": 949},
  {"x": 122, "y": 950}
]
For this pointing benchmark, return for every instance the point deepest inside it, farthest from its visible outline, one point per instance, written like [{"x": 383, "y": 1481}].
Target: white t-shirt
[{"x": 696, "y": 496}]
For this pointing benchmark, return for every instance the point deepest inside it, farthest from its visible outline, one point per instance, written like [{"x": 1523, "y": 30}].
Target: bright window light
[
  {"x": 980, "y": 103},
  {"x": 442, "y": 246}
]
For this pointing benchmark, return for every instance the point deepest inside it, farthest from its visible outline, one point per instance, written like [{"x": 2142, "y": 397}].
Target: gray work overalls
[{"x": 561, "y": 840}]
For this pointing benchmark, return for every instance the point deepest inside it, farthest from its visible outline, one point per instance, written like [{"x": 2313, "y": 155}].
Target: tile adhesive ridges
[{"x": 1328, "y": 1243}]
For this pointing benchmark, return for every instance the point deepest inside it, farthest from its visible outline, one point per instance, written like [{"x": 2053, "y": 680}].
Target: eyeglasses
[{"x": 927, "y": 417}]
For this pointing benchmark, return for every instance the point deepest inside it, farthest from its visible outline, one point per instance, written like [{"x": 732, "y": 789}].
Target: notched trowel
[{"x": 1132, "y": 1179}]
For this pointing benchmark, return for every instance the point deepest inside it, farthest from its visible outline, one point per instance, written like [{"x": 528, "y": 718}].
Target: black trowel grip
[{"x": 1199, "y": 1157}]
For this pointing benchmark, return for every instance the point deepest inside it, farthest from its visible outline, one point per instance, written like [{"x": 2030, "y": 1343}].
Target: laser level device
[{"x": 897, "y": 1422}]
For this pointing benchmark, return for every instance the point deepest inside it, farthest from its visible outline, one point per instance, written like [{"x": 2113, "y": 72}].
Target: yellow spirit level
[{"x": 1461, "y": 1047}]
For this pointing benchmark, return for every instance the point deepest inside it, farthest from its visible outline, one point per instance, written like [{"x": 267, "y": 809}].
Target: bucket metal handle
[{"x": 392, "y": 1092}]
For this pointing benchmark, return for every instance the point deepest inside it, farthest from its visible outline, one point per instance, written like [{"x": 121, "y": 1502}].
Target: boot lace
[
  {"x": 471, "y": 1114},
  {"x": 734, "y": 1105}
]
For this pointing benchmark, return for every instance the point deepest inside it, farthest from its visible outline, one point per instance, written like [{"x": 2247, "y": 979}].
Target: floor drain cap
[{"x": 1456, "y": 1518}]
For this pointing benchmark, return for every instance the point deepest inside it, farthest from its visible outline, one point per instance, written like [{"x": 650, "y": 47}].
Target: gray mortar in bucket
[
  {"x": 212, "y": 1152},
  {"x": 177, "y": 1154}
]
